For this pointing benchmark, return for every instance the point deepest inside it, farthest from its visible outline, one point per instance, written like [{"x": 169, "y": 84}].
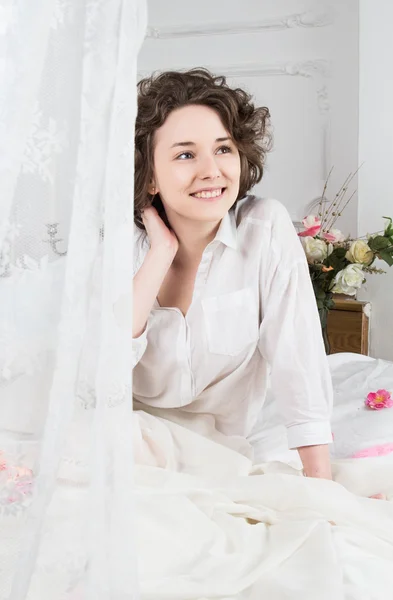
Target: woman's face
[{"x": 196, "y": 165}]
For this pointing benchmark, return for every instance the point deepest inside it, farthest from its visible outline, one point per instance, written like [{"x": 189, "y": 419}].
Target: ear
[{"x": 152, "y": 190}]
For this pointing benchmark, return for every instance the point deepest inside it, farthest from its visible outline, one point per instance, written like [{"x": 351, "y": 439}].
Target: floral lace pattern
[
  {"x": 45, "y": 141},
  {"x": 12, "y": 231},
  {"x": 66, "y": 132}
]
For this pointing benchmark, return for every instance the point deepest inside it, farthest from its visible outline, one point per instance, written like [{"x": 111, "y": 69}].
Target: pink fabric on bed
[{"x": 380, "y": 450}]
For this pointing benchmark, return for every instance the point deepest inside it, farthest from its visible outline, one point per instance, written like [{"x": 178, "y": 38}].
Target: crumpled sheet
[{"x": 211, "y": 525}]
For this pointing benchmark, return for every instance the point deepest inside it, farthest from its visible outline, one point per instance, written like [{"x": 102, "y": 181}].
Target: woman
[
  {"x": 221, "y": 289},
  {"x": 222, "y": 294}
]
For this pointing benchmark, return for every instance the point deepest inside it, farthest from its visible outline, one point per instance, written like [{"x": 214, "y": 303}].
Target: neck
[{"x": 193, "y": 238}]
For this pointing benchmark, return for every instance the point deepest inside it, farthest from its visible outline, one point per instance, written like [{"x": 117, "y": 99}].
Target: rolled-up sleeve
[
  {"x": 291, "y": 341},
  {"x": 139, "y": 346}
]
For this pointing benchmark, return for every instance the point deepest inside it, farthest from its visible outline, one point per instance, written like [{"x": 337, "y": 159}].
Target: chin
[
  {"x": 206, "y": 216},
  {"x": 210, "y": 212}
]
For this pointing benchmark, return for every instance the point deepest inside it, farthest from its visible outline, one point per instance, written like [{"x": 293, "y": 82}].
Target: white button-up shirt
[{"x": 253, "y": 316}]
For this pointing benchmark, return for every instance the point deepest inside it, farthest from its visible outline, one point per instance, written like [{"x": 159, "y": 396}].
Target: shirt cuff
[
  {"x": 314, "y": 433},
  {"x": 139, "y": 345}
]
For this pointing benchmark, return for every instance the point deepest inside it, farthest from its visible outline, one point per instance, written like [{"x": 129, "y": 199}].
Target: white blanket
[
  {"x": 212, "y": 526},
  {"x": 308, "y": 539}
]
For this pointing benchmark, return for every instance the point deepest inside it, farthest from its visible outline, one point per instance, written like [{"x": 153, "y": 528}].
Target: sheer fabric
[{"x": 67, "y": 111}]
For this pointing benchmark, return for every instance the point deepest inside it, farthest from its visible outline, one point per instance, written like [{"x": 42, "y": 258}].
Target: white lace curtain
[{"x": 67, "y": 111}]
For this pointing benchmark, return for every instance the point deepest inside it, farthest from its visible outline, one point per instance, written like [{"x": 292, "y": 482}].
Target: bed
[
  {"x": 212, "y": 531},
  {"x": 218, "y": 526},
  {"x": 355, "y": 427}
]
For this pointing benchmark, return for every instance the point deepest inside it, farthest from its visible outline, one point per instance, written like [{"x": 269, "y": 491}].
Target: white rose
[
  {"x": 349, "y": 280},
  {"x": 334, "y": 235},
  {"x": 311, "y": 221},
  {"x": 360, "y": 253},
  {"x": 338, "y": 234},
  {"x": 316, "y": 250}
]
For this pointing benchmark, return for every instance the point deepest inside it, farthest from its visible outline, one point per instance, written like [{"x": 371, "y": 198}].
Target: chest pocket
[{"x": 231, "y": 322}]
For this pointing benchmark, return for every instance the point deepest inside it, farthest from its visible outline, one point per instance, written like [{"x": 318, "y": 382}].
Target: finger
[{"x": 379, "y": 496}]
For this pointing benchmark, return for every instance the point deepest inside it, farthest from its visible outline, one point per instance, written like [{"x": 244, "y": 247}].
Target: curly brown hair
[{"x": 160, "y": 94}]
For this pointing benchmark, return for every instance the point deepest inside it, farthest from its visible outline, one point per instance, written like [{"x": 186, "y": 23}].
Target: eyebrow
[{"x": 182, "y": 144}]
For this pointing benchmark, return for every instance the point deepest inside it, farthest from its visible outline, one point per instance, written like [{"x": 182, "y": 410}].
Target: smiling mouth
[{"x": 209, "y": 194}]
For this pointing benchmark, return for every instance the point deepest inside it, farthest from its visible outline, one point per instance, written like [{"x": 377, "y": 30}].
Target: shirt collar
[{"x": 227, "y": 232}]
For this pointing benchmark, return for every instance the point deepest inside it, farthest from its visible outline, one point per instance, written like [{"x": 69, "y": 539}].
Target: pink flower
[
  {"x": 334, "y": 235},
  {"x": 312, "y": 225},
  {"x": 20, "y": 482},
  {"x": 379, "y": 399},
  {"x": 3, "y": 464}
]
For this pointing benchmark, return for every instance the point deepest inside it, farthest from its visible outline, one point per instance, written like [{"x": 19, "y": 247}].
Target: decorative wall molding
[
  {"x": 318, "y": 70},
  {"x": 306, "y": 19}
]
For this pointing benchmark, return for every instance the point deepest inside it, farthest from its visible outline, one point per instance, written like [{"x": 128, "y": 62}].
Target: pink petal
[
  {"x": 310, "y": 232},
  {"x": 379, "y": 406},
  {"x": 329, "y": 237}
]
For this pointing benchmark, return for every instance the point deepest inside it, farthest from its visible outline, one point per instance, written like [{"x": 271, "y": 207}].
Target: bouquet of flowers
[{"x": 340, "y": 264}]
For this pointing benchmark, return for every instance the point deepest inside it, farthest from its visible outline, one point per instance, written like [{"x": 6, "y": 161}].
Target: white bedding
[
  {"x": 314, "y": 541},
  {"x": 354, "y": 426},
  {"x": 213, "y": 526}
]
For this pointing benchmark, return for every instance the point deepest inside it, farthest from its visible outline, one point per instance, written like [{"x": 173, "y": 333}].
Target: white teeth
[{"x": 212, "y": 194}]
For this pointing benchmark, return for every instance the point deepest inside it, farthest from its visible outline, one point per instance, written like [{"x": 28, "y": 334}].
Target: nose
[{"x": 208, "y": 167}]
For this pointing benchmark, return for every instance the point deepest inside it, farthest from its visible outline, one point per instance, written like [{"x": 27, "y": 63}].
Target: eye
[
  {"x": 224, "y": 149},
  {"x": 184, "y": 154}
]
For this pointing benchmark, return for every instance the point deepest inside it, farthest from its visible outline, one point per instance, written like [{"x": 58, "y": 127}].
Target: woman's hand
[{"x": 160, "y": 236}]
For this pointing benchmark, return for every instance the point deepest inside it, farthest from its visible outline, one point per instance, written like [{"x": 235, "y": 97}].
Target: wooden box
[{"x": 348, "y": 326}]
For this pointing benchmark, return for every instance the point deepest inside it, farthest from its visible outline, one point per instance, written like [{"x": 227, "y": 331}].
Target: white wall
[
  {"x": 299, "y": 58},
  {"x": 376, "y": 150}
]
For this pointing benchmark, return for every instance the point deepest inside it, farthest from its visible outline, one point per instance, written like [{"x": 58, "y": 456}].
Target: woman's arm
[
  {"x": 316, "y": 461},
  {"x": 149, "y": 278},
  {"x": 146, "y": 285},
  {"x": 291, "y": 341}
]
